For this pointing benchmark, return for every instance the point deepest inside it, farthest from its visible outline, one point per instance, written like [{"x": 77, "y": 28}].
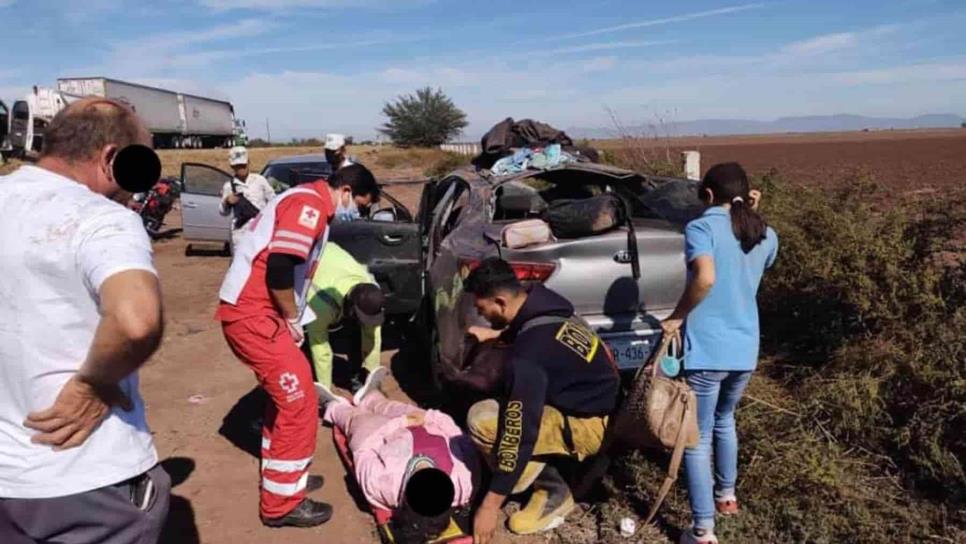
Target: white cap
[
  {"x": 237, "y": 155},
  {"x": 334, "y": 142}
]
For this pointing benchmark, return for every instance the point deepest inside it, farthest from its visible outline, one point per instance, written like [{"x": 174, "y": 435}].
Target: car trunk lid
[{"x": 595, "y": 274}]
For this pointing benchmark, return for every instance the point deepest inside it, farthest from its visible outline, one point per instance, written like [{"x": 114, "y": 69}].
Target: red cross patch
[{"x": 309, "y": 217}]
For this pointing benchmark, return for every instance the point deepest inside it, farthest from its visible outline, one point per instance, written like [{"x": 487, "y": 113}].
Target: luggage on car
[
  {"x": 585, "y": 217},
  {"x": 526, "y": 233}
]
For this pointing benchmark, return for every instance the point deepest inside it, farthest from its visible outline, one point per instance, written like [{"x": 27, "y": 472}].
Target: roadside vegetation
[
  {"x": 426, "y": 118},
  {"x": 854, "y": 427}
]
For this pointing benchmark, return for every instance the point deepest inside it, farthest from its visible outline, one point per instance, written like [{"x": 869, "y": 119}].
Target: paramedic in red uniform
[{"x": 261, "y": 312}]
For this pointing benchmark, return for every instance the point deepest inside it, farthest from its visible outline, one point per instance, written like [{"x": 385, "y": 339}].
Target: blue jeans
[{"x": 718, "y": 394}]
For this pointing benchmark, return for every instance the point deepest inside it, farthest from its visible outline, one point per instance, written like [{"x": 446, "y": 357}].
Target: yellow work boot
[
  {"x": 530, "y": 474},
  {"x": 548, "y": 507}
]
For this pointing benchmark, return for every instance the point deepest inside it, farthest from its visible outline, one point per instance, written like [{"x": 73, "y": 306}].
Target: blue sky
[{"x": 314, "y": 66}]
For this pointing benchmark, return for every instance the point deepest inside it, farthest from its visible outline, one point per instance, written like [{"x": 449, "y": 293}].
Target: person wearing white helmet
[
  {"x": 245, "y": 195},
  {"x": 335, "y": 152}
]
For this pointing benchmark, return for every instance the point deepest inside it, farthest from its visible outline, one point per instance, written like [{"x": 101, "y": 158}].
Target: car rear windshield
[
  {"x": 530, "y": 197},
  {"x": 285, "y": 175}
]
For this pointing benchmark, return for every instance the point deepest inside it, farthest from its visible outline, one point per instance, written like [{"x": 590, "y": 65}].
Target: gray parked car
[
  {"x": 420, "y": 259},
  {"x": 388, "y": 240}
]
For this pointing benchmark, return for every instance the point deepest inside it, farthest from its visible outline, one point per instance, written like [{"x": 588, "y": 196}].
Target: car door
[
  {"x": 4, "y": 124},
  {"x": 389, "y": 243},
  {"x": 20, "y": 126},
  {"x": 200, "y": 200},
  {"x": 444, "y": 271}
]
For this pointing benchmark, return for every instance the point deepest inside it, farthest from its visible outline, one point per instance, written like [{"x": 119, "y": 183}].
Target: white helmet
[{"x": 237, "y": 156}]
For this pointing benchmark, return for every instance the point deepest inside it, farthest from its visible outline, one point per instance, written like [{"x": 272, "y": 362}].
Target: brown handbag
[{"x": 659, "y": 412}]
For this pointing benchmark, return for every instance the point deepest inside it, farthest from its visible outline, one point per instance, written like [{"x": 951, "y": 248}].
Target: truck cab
[{"x": 29, "y": 118}]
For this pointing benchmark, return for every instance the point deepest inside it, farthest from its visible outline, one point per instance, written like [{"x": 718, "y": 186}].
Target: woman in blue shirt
[{"x": 727, "y": 249}]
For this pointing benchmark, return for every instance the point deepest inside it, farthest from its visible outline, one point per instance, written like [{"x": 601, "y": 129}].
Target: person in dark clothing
[{"x": 561, "y": 385}]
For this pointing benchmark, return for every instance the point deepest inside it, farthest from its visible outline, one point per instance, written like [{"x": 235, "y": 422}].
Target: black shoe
[
  {"x": 357, "y": 381},
  {"x": 314, "y": 483},
  {"x": 308, "y": 513}
]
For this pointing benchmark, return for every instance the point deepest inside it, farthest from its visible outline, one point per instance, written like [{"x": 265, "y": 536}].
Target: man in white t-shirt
[
  {"x": 80, "y": 312},
  {"x": 252, "y": 187}
]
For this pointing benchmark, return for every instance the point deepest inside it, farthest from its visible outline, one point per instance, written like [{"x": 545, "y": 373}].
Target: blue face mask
[{"x": 347, "y": 213}]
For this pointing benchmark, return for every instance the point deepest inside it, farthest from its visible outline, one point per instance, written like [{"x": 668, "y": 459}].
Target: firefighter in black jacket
[{"x": 560, "y": 388}]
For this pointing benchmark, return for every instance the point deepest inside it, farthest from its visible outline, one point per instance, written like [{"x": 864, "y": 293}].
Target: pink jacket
[{"x": 382, "y": 459}]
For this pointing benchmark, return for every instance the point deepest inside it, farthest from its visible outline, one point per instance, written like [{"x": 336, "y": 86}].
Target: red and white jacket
[{"x": 294, "y": 223}]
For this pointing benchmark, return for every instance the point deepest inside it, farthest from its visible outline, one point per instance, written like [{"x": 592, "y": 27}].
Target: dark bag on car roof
[{"x": 585, "y": 217}]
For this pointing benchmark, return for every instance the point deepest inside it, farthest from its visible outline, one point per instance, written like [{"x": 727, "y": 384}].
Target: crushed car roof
[{"x": 588, "y": 167}]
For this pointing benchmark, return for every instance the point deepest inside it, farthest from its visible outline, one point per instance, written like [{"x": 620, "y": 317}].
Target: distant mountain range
[{"x": 818, "y": 123}]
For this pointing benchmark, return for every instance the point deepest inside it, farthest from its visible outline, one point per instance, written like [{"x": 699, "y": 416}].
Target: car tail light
[{"x": 524, "y": 271}]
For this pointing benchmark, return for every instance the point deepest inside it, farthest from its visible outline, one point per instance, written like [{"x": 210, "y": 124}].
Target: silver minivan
[{"x": 387, "y": 240}]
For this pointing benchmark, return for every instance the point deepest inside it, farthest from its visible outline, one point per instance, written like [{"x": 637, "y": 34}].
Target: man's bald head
[{"x": 82, "y": 130}]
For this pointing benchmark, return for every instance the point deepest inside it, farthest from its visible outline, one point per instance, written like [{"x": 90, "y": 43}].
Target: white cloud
[
  {"x": 599, "y": 64},
  {"x": 665, "y": 20},
  {"x": 917, "y": 73},
  {"x": 445, "y": 77},
  {"x": 827, "y": 43},
  {"x": 168, "y": 53},
  {"x": 605, "y": 46},
  {"x": 311, "y": 103},
  {"x": 281, "y": 4},
  {"x": 178, "y": 40},
  {"x": 822, "y": 44}
]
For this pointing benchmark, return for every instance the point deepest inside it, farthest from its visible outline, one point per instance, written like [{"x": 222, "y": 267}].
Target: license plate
[{"x": 630, "y": 351}]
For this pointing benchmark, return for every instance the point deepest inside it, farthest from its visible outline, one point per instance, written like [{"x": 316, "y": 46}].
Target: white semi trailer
[{"x": 175, "y": 120}]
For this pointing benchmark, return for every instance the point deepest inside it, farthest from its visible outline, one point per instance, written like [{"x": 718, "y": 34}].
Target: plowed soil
[{"x": 904, "y": 161}]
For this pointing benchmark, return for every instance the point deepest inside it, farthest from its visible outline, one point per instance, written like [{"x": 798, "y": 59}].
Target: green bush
[
  {"x": 868, "y": 317},
  {"x": 854, "y": 427},
  {"x": 425, "y": 118}
]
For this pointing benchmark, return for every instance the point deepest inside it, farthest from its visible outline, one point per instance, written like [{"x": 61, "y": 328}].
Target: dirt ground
[{"x": 200, "y": 410}]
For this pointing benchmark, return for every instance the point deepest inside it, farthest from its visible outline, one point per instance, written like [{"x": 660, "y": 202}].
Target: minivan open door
[
  {"x": 21, "y": 131},
  {"x": 200, "y": 199},
  {"x": 4, "y": 126}
]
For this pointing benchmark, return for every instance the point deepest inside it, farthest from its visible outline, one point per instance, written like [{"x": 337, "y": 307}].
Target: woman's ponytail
[
  {"x": 748, "y": 226},
  {"x": 728, "y": 182}
]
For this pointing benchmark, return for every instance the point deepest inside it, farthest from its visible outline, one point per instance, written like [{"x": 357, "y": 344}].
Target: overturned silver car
[{"x": 622, "y": 281}]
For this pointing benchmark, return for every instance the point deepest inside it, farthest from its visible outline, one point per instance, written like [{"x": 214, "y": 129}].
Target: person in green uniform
[{"x": 343, "y": 290}]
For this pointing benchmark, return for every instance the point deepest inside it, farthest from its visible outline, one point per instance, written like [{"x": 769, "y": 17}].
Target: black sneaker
[
  {"x": 358, "y": 381},
  {"x": 314, "y": 483},
  {"x": 308, "y": 513},
  {"x": 372, "y": 382}
]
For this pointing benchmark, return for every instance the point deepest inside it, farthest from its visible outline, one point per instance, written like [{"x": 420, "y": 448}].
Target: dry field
[{"x": 908, "y": 161}]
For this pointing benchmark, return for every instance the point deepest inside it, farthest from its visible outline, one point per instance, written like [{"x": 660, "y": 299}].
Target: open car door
[
  {"x": 389, "y": 243},
  {"x": 200, "y": 199},
  {"x": 4, "y": 126}
]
